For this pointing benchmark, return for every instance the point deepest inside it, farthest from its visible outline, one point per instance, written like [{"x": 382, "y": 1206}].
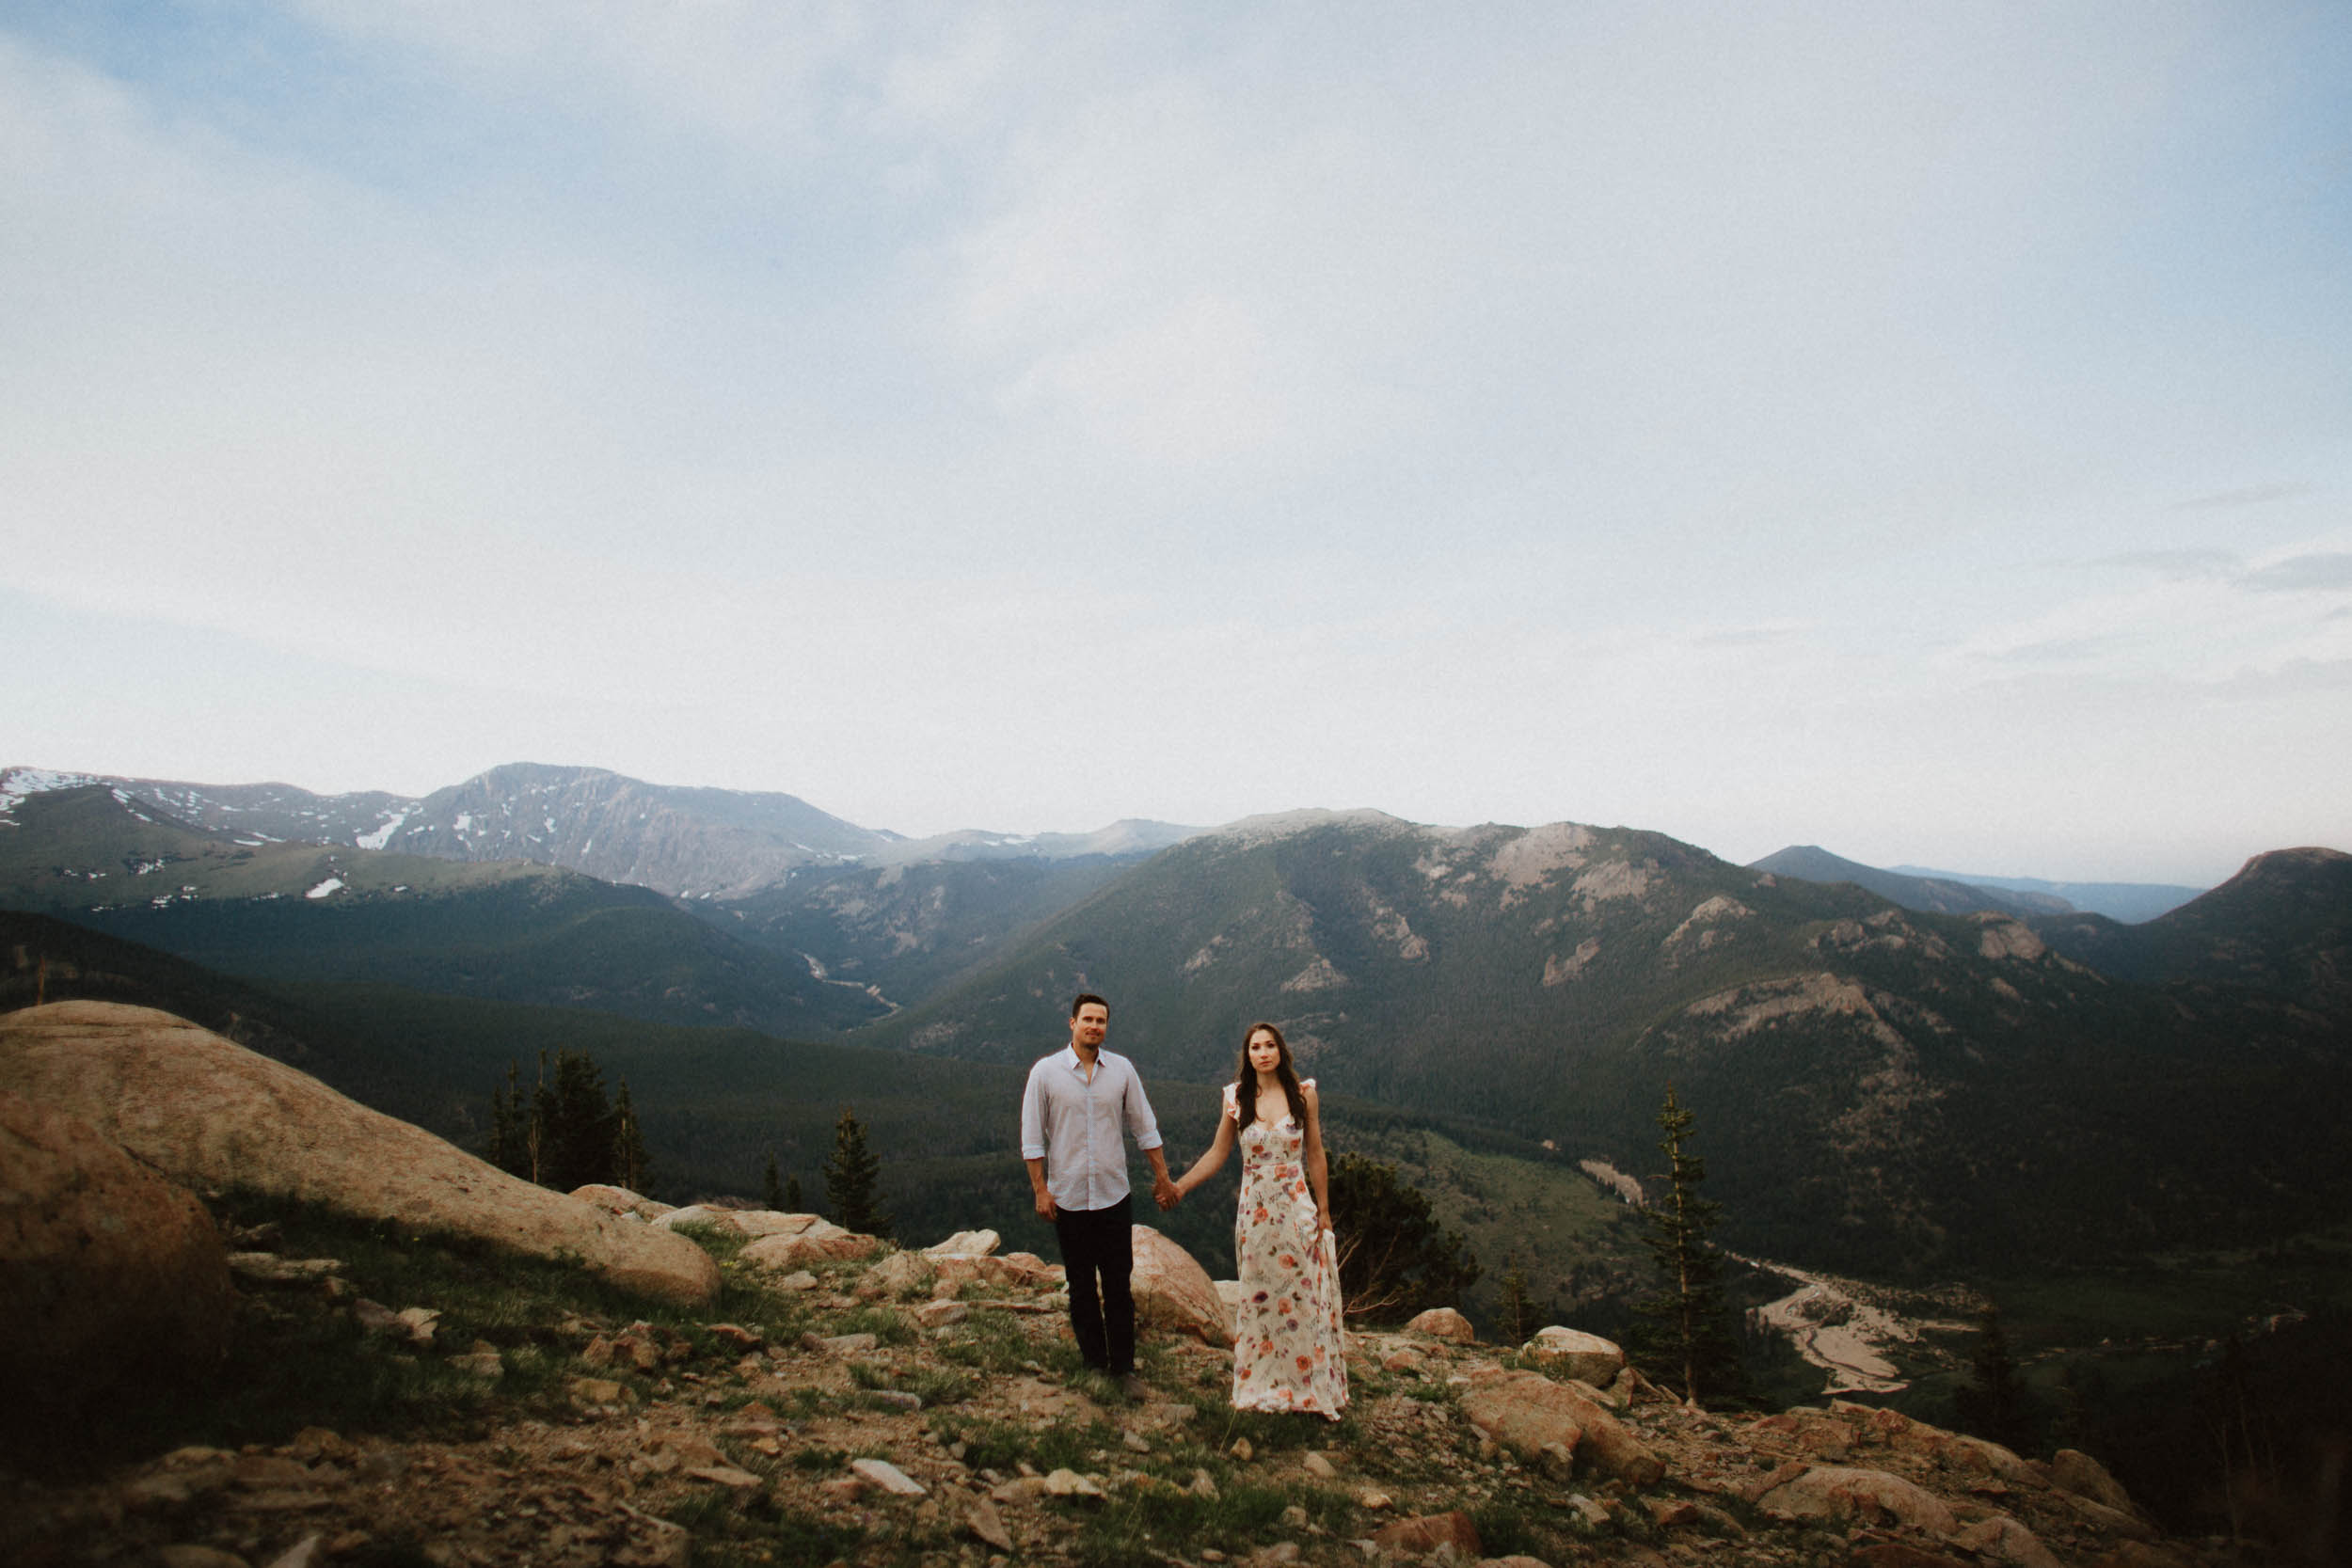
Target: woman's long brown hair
[{"x": 1245, "y": 1078}]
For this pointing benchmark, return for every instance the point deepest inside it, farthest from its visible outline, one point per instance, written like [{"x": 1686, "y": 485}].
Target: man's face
[{"x": 1089, "y": 1025}]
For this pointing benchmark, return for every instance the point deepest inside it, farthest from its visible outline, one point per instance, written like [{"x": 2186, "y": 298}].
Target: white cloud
[{"x": 1694, "y": 419}]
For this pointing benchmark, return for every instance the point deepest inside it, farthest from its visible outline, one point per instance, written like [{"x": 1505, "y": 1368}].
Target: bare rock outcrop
[
  {"x": 107, "y": 1270},
  {"x": 1528, "y": 1410},
  {"x": 967, "y": 1243},
  {"x": 1847, "y": 1494},
  {"x": 733, "y": 1222},
  {"x": 622, "y": 1202},
  {"x": 817, "y": 1241},
  {"x": 1173, "y": 1291},
  {"x": 206, "y": 1111}
]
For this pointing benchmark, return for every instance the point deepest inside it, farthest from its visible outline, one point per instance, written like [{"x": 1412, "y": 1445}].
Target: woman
[{"x": 1286, "y": 1334}]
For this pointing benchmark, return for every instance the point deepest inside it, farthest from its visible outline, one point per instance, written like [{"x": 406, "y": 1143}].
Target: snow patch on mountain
[{"x": 383, "y": 836}]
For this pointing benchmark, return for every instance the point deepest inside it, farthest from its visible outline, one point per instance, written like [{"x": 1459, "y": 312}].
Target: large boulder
[
  {"x": 1443, "y": 1322},
  {"x": 108, "y": 1271},
  {"x": 2002, "y": 1539},
  {"x": 206, "y": 1111},
  {"x": 2085, "y": 1476},
  {"x": 1572, "y": 1353},
  {"x": 1527, "y": 1411},
  {"x": 1865, "y": 1496},
  {"x": 1173, "y": 1291},
  {"x": 819, "y": 1240}
]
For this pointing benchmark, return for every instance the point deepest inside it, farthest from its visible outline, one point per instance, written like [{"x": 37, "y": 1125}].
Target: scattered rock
[
  {"x": 601, "y": 1393},
  {"x": 984, "y": 1523},
  {"x": 302, "y": 1554},
  {"x": 736, "y": 1337},
  {"x": 1320, "y": 1467},
  {"x": 888, "y": 1477},
  {"x": 267, "y": 1268},
  {"x": 901, "y": 1274},
  {"x": 819, "y": 1241},
  {"x": 1403, "y": 1360},
  {"x": 1429, "y": 1532},
  {"x": 1069, "y": 1484},
  {"x": 733, "y": 1478},
  {"x": 2004, "y": 1540},
  {"x": 483, "y": 1361}
]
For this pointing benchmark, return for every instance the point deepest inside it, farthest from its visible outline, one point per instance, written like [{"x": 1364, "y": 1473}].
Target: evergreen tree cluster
[{"x": 566, "y": 1132}]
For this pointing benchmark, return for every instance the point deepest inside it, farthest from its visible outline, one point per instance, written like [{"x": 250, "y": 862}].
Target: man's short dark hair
[{"x": 1083, "y": 998}]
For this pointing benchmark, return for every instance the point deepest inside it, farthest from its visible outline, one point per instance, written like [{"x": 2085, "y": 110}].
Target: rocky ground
[{"x": 898, "y": 1410}]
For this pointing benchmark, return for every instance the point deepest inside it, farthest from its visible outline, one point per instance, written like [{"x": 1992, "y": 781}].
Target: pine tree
[
  {"x": 1991, "y": 1403},
  {"x": 509, "y": 1149},
  {"x": 1395, "y": 1260},
  {"x": 849, "y": 1175},
  {"x": 772, "y": 1185},
  {"x": 1691, "y": 1319},
  {"x": 630, "y": 1166},
  {"x": 574, "y": 1132},
  {"x": 792, "y": 1194},
  {"x": 1514, "y": 1312}
]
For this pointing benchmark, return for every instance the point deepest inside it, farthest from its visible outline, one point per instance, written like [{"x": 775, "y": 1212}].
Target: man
[{"x": 1074, "y": 1114}]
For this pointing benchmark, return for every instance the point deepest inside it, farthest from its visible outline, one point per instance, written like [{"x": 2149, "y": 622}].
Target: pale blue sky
[{"x": 1926, "y": 432}]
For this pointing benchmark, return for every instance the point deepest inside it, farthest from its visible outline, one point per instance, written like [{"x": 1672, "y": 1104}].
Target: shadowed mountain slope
[
  {"x": 1927, "y": 894},
  {"x": 510, "y": 929},
  {"x": 2282, "y": 925},
  {"x": 1877, "y": 1086}
]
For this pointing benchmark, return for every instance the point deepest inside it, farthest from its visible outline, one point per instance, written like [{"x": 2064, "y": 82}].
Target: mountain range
[
  {"x": 686, "y": 841},
  {"x": 1958, "y": 893},
  {"x": 1880, "y": 1086}
]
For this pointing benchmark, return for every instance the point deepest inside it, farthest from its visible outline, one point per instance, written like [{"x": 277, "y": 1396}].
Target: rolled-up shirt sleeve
[
  {"x": 1033, "y": 1115},
  {"x": 1140, "y": 1120}
]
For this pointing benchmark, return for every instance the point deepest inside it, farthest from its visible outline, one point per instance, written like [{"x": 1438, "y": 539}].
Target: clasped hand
[{"x": 1166, "y": 1194}]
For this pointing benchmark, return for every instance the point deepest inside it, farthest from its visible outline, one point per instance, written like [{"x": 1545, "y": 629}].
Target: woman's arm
[
  {"x": 1208, "y": 1164},
  {"x": 1318, "y": 1169}
]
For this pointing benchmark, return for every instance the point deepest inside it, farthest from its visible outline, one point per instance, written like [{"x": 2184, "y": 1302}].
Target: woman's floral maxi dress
[{"x": 1286, "y": 1334}]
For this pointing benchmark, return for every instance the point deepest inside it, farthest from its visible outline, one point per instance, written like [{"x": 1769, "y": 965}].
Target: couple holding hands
[{"x": 1075, "y": 1112}]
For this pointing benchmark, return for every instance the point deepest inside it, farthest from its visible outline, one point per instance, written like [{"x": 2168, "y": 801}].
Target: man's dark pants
[{"x": 1100, "y": 1242}]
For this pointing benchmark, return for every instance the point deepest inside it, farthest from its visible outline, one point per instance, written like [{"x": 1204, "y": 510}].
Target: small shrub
[{"x": 817, "y": 1460}]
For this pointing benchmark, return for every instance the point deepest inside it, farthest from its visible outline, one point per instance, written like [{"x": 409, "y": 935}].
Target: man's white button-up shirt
[{"x": 1074, "y": 1125}]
